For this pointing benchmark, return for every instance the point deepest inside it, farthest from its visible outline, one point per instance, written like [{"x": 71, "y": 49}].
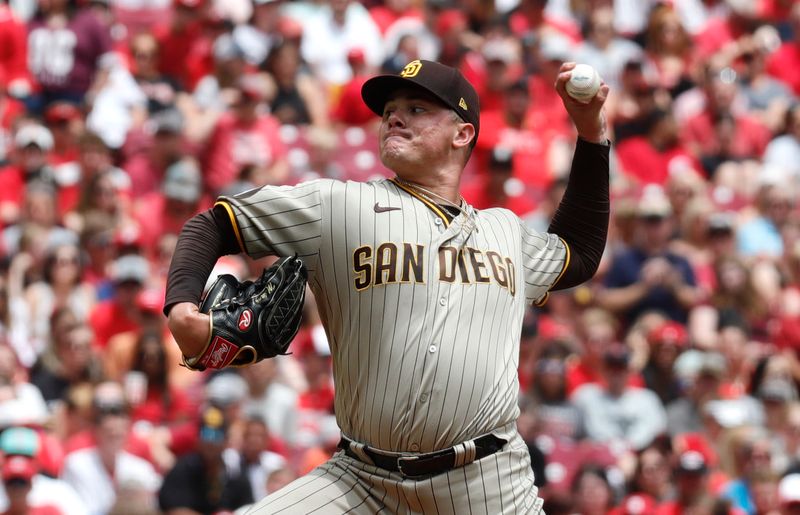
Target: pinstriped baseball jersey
[{"x": 423, "y": 315}]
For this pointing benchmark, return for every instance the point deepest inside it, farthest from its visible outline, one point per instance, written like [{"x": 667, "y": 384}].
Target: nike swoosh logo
[{"x": 380, "y": 209}]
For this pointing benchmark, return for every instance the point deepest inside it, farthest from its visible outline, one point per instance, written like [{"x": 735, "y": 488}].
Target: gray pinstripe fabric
[{"x": 424, "y": 358}]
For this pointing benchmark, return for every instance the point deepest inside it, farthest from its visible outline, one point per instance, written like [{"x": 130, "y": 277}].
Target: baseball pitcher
[{"x": 421, "y": 296}]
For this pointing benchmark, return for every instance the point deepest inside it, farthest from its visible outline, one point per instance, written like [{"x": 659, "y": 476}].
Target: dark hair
[
  {"x": 589, "y": 469},
  {"x": 161, "y": 379}
]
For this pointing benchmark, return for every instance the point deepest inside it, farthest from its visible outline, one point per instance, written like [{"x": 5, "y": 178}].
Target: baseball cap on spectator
[
  {"x": 252, "y": 87},
  {"x": 183, "y": 182},
  {"x": 450, "y": 20},
  {"x": 131, "y": 268},
  {"x": 108, "y": 398},
  {"x": 213, "y": 427},
  {"x": 789, "y": 489},
  {"x": 693, "y": 363},
  {"x": 443, "y": 82},
  {"x": 355, "y": 56},
  {"x": 150, "y": 300},
  {"x": 728, "y": 413},
  {"x": 226, "y": 48},
  {"x": 290, "y": 29},
  {"x": 34, "y": 134},
  {"x": 499, "y": 50},
  {"x": 225, "y": 389},
  {"x": 777, "y": 390},
  {"x": 669, "y": 332},
  {"x": 720, "y": 223},
  {"x": 555, "y": 48},
  {"x": 167, "y": 121},
  {"x": 692, "y": 462},
  {"x": 22, "y": 441},
  {"x": 653, "y": 203},
  {"x": 128, "y": 239},
  {"x": 61, "y": 112},
  {"x": 19, "y": 467}
]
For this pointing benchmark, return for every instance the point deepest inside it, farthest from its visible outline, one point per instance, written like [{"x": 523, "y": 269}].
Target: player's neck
[{"x": 441, "y": 192}]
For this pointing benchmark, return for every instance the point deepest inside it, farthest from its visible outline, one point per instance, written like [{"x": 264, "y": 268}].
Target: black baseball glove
[{"x": 252, "y": 320}]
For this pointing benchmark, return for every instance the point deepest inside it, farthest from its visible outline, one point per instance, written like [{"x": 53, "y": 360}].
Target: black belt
[{"x": 427, "y": 464}]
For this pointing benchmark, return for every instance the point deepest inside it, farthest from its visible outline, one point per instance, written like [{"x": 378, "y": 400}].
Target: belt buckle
[{"x": 404, "y": 459}]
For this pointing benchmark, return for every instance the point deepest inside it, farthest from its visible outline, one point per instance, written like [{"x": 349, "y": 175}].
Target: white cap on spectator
[
  {"x": 131, "y": 267},
  {"x": 34, "y": 134},
  {"x": 499, "y": 50},
  {"x": 226, "y": 388},
  {"x": 182, "y": 181},
  {"x": 555, "y": 48},
  {"x": 789, "y": 488}
]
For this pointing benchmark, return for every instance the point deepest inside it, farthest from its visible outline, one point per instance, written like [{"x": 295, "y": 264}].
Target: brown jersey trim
[
  {"x": 235, "y": 225},
  {"x": 433, "y": 207}
]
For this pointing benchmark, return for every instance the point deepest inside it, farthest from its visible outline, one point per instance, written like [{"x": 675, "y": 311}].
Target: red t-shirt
[
  {"x": 385, "y": 17},
  {"x": 154, "y": 410},
  {"x": 13, "y": 48},
  {"x": 641, "y": 161},
  {"x": 579, "y": 373},
  {"x": 750, "y": 136},
  {"x": 477, "y": 194},
  {"x": 42, "y": 509},
  {"x": 547, "y": 109},
  {"x": 233, "y": 145},
  {"x": 521, "y": 24},
  {"x": 350, "y": 109},
  {"x": 108, "y": 319},
  {"x": 174, "y": 47},
  {"x": 530, "y": 145},
  {"x": 717, "y": 33},
  {"x": 155, "y": 221},
  {"x": 784, "y": 65},
  {"x": 12, "y": 185}
]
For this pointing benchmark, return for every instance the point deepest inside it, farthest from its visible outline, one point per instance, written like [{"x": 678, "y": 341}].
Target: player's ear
[{"x": 465, "y": 132}]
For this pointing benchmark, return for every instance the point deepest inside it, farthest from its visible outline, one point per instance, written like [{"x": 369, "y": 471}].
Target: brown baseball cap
[{"x": 445, "y": 83}]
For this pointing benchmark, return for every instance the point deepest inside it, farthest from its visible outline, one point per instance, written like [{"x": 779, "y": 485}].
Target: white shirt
[
  {"x": 86, "y": 473},
  {"x": 325, "y": 44},
  {"x": 257, "y": 473},
  {"x": 48, "y": 491}
]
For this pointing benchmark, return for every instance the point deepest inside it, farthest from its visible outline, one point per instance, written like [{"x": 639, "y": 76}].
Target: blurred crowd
[{"x": 668, "y": 384}]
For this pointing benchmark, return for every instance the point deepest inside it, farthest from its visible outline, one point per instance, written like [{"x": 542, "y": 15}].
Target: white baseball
[{"x": 584, "y": 83}]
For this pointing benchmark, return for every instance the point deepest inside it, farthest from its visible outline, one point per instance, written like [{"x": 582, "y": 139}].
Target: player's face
[{"x": 416, "y": 133}]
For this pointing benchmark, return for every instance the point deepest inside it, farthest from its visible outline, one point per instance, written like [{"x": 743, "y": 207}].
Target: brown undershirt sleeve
[{"x": 204, "y": 238}]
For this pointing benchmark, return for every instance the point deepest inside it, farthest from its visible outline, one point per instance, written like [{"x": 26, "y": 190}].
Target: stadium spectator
[
  {"x": 296, "y": 96},
  {"x": 97, "y": 470},
  {"x": 245, "y": 143},
  {"x": 200, "y": 480},
  {"x": 69, "y": 53},
  {"x": 648, "y": 276},
  {"x": 600, "y": 405}
]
